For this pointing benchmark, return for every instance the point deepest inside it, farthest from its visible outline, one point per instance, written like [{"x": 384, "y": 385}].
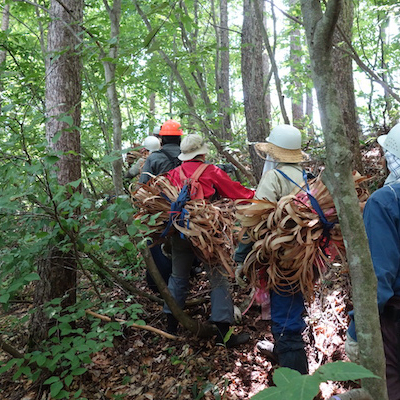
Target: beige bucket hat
[{"x": 192, "y": 145}]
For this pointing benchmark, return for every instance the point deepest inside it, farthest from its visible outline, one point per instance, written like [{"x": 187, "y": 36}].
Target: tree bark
[
  {"x": 295, "y": 60},
  {"x": 319, "y": 28},
  {"x": 223, "y": 87},
  {"x": 253, "y": 80},
  {"x": 63, "y": 111},
  {"x": 343, "y": 70},
  {"x": 112, "y": 94}
]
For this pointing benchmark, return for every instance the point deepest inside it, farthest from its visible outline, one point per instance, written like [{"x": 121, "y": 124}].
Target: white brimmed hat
[
  {"x": 391, "y": 141},
  {"x": 192, "y": 145},
  {"x": 283, "y": 145}
]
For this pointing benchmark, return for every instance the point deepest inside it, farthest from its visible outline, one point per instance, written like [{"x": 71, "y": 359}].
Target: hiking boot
[
  {"x": 234, "y": 340},
  {"x": 172, "y": 324},
  {"x": 266, "y": 348}
]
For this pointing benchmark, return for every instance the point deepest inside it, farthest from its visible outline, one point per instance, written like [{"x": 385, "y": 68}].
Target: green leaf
[
  {"x": 55, "y": 388},
  {"x": 68, "y": 119},
  {"x": 52, "y": 379},
  {"x": 78, "y": 371},
  {"x": 271, "y": 393},
  {"x": 150, "y": 37},
  {"x": 4, "y": 298},
  {"x": 51, "y": 160},
  {"x": 343, "y": 371},
  {"x": 284, "y": 376},
  {"x": 68, "y": 380},
  {"x": 33, "y": 276},
  {"x": 76, "y": 183}
]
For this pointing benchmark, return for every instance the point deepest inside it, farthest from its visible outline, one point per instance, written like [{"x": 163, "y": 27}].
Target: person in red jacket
[{"x": 214, "y": 183}]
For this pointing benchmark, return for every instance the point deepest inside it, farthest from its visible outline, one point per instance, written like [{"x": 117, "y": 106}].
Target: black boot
[
  {"x": 172, "y": 324},
  {"x": 234, "y": 340},
  {"x": 291, "y": 353}
]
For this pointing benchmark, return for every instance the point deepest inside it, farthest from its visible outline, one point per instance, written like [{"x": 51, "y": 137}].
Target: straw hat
[
  {"x": 283, "y": 145},
  {"x": 192, "y": 145}
]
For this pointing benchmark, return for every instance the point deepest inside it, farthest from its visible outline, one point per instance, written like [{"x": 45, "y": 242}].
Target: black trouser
[
  {"x": 290, "y": 351},
  {"x": 390, "y": 326}
]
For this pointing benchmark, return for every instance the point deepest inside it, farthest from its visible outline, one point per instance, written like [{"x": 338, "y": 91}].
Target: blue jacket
[{"x": 382, "y": 224}]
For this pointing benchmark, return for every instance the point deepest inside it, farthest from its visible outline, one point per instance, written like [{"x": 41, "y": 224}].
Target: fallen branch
[
  {"x": 133, "y": 325},
  {"x": 10, "y": 350}
]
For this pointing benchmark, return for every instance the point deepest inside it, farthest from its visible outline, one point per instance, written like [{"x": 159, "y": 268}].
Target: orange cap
[{"x": 171, "y": 128}]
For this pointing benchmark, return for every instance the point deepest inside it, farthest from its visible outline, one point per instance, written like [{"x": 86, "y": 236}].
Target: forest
[{"x": 83, "y": 83}]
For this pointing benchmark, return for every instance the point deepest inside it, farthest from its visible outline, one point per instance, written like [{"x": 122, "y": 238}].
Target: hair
[{"x": 170, "y": 139}]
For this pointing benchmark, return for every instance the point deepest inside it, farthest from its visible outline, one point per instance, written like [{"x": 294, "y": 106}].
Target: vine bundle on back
[
  {"x": 208, "y": 225},
  {"x": 292, "y": 246}
]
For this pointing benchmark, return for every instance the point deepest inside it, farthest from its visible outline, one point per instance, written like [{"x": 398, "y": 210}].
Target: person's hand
[{"x": 239, "y": 276}]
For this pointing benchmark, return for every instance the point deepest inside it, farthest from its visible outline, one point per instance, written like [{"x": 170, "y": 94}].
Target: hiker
[
  {"x": 282, "y": 171},
  {"x": 382, "y": 224},
  {"x": 211, "y": 183},
  {"x": 166, "y": 158},
  {"x": 136, "y": 160}
]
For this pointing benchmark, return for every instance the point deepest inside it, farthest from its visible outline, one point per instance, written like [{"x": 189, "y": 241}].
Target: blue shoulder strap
[
  {"x": 326, "y": 225},
  {"x": 178, "y": 210}
]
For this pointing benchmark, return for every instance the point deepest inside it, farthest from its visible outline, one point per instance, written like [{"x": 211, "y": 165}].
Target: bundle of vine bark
[
  {"x": 291, "y": 248},
  {"x": 208, "y": 225}
]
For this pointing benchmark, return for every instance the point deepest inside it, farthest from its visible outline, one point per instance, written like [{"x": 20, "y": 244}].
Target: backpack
[
  {"x": 196, "y": 190},
  {"x": 174, "y": 160}
]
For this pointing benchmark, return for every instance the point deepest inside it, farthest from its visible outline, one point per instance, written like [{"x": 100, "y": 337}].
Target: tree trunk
[
  {"x": 223, "y": 87},
  {"x": 112, "y": 94},
  {"x": 253, "y": 80},
  {"x": 63, "y": 112},
  {"x": 4, "y": 26},
  {"x": 319, "y": 28},
  {"x": 343, "y": 70},
  {"x": 295, "y": 62}
]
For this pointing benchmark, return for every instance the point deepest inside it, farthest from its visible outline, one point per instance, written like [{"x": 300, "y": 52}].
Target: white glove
[
  {"x": 351, "y": 349},
  {"x": 239, "y": 276}
]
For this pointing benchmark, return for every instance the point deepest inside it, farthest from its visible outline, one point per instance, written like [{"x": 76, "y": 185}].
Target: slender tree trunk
[
  {"x": 253, "y": 80},
  {"x": 112, "y": 94},
  {"x": 319, "y": 31},
  {"x": 152, "y": 111},
  {"x": 267, "y": 71},
  {"x": 343, "y": 70},
  {"x": 223, "y": 87},
  {"x": 4, "y": 26},
  {"x": 63, "y": 111},
  {"x": 295, "y": 59}
]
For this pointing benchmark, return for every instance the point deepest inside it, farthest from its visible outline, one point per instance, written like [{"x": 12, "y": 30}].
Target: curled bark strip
[
  {"x": 289, "y": 251},
  {"x": 209, "y": 226}
]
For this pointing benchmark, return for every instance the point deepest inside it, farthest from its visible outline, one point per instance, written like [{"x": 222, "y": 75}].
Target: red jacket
[{"x": 212, "y": 180}]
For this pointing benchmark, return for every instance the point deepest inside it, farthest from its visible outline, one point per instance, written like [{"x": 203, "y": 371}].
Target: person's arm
[
  {"x": 269, "y": 187},
  {"x": 383, "y": 237},
  {"x": 226, "y": 187},
  {"x": 147, "y": 167}
]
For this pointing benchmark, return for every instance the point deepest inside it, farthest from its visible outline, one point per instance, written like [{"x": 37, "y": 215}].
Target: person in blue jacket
[{"x": 382, "y": 225}]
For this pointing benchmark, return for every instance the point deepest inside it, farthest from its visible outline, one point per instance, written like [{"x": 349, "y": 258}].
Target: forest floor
[{"x": 144, "y": 365}]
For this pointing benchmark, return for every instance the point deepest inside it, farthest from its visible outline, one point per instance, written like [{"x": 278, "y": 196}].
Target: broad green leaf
[
  {"x": 284, "y": 376},
  {"x": 33, "y": 276},
  {"x": 55, "y": 388},
  {"x": 343, "y": 371},
  {"x": 271, "y": 393},
  {"x": 68, "y": 119},
  {"x": 4, "y": 298},
  {"x": 52, "y": 379}
]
